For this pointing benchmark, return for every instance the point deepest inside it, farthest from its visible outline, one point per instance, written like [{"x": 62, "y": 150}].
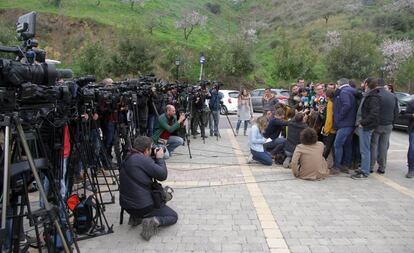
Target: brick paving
[{"x": 226, "y": 205}]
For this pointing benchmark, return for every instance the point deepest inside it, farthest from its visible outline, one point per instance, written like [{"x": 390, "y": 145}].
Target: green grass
[{"x": 302, "y": 21}]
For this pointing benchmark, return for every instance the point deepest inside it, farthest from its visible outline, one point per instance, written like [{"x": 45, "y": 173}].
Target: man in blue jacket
[
  {"x": 345, "y": 109},
  {"x": 135, "y": 179},
  {"x": 214, "y": 105}
]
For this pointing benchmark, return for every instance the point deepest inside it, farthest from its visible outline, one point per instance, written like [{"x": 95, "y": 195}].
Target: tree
[
  {"x": 92, "y": 59},
  {"x": 153, "y": 22},
  {"x": 395, "y": 52},
  {"x": 292, "y": 62},
  {"x": 135, "y": 54},
  {"x": 190, "y": 20},
  {"x": 356, "y": 56},
  {"x": 405, "y": 75}
]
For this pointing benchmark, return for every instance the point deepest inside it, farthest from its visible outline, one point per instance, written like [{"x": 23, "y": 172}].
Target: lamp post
[
  {"x": 383, "y": 68},
  {"x": 177, "y": 64}
]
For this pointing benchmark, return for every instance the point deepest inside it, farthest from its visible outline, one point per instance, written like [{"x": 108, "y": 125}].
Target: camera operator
[
  {"x": 155, "y": 107},
  {"x": 199, "y": 104},
  {"x": 109, "y": 120},
  {"x": 166, "y": 125},
  {"x": 214, "y": 104},
  {"x": 136, "y": 177}
]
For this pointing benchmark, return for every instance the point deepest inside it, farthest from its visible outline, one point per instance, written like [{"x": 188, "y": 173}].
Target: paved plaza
[{"x": 227, "y": 205}]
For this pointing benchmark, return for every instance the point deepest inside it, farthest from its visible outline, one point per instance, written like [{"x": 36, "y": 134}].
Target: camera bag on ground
[{"x": 82, "y": 209}]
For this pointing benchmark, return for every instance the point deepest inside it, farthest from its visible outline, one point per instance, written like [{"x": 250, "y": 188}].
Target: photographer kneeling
[{"x": 136, "y": 184}]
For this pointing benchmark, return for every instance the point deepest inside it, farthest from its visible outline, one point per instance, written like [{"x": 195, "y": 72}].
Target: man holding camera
[
  {"x": 166, "y": 125},
  {"x": 214, "y": 104},
  {"x": 136, "y": 177}
]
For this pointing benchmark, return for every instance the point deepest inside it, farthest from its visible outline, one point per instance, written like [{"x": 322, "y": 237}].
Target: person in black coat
[
  {"x": 409, "y": 114},
  {"x": 135, "y": 179},
  {"x": 367, "y": 119},
  {"x": 380, "y": 140}
]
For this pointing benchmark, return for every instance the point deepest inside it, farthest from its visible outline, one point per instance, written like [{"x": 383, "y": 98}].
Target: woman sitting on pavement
[
  {"x": 308, "y": 162},
  {"x": 256, "y": 141}
]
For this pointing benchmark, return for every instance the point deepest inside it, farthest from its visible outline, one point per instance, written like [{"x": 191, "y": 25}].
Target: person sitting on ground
[
  {"x": 273, "y": 131},
  {"x": 307, "y": 160},
  {"x": 166, "y": 125},
  {"x": 135, "y": 179},
  {"x": 295, "y": 126},
  {"x": 256, "y": 141}
]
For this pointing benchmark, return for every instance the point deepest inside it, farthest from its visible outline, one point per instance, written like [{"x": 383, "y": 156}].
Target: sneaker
[
  {"x": 334, "y": 171},
  {"x": 134, "y": 221},
  {"x": 245, "y": 133},
  {"x": 194, "y": 137},
  {"x": 380, "y": 171},
  {"x": 344, "y": 169},
  {"x": 286, "y": 162},
  {"x": 204, "y": 136},
  {"x": 149, "y": 228},
  {"x": 250, "y": 159},
  {"x": 359, "y": 175},
  {"x": 410, "y": 174},
  {"x": 211, "y": 133}
]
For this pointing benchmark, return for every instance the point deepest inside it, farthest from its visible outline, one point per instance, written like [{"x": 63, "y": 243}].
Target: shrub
[
  {"x": 356, "y": 56},
  {"x": 213, "y": 8}
]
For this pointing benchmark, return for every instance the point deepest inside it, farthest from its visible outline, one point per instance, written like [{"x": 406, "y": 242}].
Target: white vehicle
[{"x": 229, "y": 101}]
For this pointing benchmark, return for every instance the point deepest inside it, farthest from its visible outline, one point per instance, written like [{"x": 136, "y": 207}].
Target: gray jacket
[{"x": 136, "y": 170}]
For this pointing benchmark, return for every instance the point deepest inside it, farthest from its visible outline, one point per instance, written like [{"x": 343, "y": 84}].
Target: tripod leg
[
  {"x": 5, "y": 181},
  {"x": 40, "y": 186},
  {"x": 232, "y": 129}
]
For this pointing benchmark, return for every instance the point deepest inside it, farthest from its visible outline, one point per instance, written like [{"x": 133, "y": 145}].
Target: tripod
[{"x": 49, "y": 213}]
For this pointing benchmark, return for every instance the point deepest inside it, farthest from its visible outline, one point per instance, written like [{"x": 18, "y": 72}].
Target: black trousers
[{"x": 165, "y": 215}]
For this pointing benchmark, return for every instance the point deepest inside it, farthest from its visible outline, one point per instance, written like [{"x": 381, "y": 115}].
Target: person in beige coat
[{"x": 307, "y": 161}]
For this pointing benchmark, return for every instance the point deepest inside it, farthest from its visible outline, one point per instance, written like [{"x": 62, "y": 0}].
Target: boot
[{"x": 149, "y": 228}]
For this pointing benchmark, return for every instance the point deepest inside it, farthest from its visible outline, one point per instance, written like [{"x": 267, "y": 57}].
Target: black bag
[
  {"x": 158, "y": 194},
  {"x": 83, "y": 215}
]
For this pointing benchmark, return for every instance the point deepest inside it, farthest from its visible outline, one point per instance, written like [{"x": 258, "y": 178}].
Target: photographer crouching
[
  {"x": 140, "y": 195},
  {"x": 166, "y": 125}
]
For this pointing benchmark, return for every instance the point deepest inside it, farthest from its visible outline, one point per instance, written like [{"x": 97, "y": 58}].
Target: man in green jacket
[{"x": 167, "y": 124}]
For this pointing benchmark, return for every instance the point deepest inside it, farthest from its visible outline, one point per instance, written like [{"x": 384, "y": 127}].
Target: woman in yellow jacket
[{"x": 328, "y": 131}]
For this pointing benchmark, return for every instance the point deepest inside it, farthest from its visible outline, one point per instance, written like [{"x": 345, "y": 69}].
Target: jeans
[
  {"x": 262, "y": 157},
  {"x": 410, "y": 153},
  {"x": 379, "y": 146},
  {"x": 343, "y": 147},
  {"x": 246, "y": 123},
  {"x": 63, "y": 183},
  {"x": 165, "y": 215},
  {"x": 172, "y": 143},
  {"x": 151, "y": 124},
  {"x": 365, "y": 149},
  {"x": 275, "y": 146},
  {"x": 214, "y": 121},
  {"x": 110, "y": 128}
]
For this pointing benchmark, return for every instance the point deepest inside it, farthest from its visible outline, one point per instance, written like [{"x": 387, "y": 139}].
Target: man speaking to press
[{"x": 136, "y": 188}]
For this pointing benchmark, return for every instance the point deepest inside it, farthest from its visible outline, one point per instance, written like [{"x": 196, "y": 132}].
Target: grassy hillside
[{"x": 65, "y": 29}]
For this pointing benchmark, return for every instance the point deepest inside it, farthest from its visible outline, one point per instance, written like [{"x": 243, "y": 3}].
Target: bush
[
  {"x": 213, "y": 8},
  {"x": 135, "y": 54},
  {"x": 293, "y": 62},
  {"x": 405, "y": 75},
  {"x": 356, "y": 56},
  {"x": 93, "y": 59}
]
